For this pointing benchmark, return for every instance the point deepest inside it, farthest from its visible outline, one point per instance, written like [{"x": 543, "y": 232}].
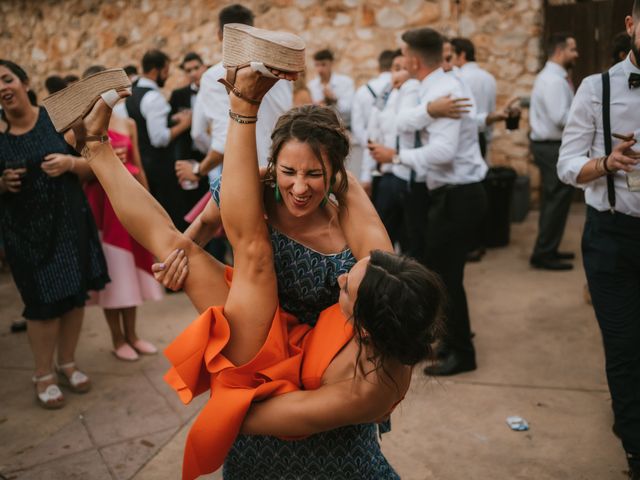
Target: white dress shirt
[
  {"x": 363, "y": 102},
  {"x": 155, "y": 109},
  {"x": 450, "y": 154},
  {"x": 342, "y": 87},
  {"x": 483, "y": 87},
  {"x": 550, "y": 102},
  {"x": 382, "y": 129},
  {"x": 583, "y": 136},
  {"x": 211, "y": 113}
]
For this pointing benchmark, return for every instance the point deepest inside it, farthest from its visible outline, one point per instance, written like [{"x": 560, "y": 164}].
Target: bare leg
[
  {"x": 70, "y": 326},
  {"x": 254, "y": 276},
  {"x": 129, "y": 323},
  {"x": 144, "y": 218},
  {"x": 43, "y": 335},
  {"x": 112, "y": 316}
]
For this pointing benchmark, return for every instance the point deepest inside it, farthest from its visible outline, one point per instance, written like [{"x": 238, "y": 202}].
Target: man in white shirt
[
  {"x": 550, "y": 102},
  {"x": 373, "y": 93},
  {"x": 211, "y": 110},
  {"x": 483, "y": 87},
  {"x": 592, "y": 157},
  {"x": 450, "y": 160},
  {"x": 150, "y": 110},
  {"x": 330, "y": 88}
]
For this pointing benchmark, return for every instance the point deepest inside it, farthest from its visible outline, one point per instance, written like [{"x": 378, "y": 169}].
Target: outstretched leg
[{"x": 143, "y": 217}]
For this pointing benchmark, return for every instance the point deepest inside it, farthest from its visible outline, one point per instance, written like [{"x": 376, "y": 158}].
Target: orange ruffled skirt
[{"x": 293, "y": 357}]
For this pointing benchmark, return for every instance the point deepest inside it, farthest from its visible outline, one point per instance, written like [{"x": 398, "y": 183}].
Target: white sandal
[
  {"x": 51, "y": 398},
  {"x": 78, "y": 382}
]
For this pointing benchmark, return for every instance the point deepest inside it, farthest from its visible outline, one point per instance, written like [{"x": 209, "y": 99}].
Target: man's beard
[
  {"x": 634, "y": 49},
  {"x": 161, "y": 81}
]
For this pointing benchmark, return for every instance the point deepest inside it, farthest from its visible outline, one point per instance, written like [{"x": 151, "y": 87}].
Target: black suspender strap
[
  {"x": 372, "y": 92},
  {"x": 606, "y": 126}
]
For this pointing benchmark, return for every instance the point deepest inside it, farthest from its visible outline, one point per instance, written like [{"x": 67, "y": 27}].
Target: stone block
[
  {"x": 80, "y": 466},
  {"x": 390, "y": 18}
]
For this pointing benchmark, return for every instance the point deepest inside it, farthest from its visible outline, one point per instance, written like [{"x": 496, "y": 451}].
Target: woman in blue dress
[
  {"x": 50, "y": 237},
  {"x": 310, "y": 252}
]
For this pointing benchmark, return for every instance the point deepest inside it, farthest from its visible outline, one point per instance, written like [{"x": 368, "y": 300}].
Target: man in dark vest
[
  {"x": 187, "y": 157},
  {"x": 150, "y": 110}
]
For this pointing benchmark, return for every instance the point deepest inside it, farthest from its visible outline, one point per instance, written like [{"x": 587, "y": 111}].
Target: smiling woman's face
[
  {"x": 13, "y": 93},
  {"x": 300, "y": 178}
]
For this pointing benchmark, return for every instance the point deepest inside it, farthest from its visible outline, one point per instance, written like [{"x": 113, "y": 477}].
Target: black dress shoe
[
  {"x": 550, "y": 264},
  {"x": 451, "y": 365},
  {"x": 564, "y": 255},
  {"x": 18, "y": 326}
]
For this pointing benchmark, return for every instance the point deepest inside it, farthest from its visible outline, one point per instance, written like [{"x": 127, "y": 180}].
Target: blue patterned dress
[{"x": 307, "y": 284}]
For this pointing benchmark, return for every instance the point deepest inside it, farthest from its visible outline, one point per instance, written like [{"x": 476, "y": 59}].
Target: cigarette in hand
[{"x": 626, "y": 138}]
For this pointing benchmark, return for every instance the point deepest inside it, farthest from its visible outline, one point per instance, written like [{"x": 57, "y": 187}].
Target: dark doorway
[{"x": 593, "y": 24}]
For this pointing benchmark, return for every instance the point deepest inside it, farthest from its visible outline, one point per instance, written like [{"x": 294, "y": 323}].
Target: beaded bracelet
[{"x": 242, "y": 119}]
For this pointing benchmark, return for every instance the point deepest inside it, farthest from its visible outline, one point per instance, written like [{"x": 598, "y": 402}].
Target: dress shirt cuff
[
  {"x": 569, "y": 169},
  {"x": 217, "y": 146}
]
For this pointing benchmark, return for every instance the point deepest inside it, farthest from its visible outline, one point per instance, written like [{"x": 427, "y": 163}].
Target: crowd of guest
[{"x": 420, "y": 129}]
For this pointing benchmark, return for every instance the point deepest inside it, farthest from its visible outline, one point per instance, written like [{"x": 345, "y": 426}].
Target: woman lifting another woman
[{"x": 354, "y": 366}]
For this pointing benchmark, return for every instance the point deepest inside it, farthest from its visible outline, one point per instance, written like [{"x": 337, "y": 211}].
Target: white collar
[
  {"x": 556, "y": 68},
  {"x": 628, "y": 66},
  {"x": 147, "y": 83}
]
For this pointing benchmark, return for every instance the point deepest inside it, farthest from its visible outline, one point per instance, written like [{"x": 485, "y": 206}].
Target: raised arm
[{"x": 360, "y": 222}]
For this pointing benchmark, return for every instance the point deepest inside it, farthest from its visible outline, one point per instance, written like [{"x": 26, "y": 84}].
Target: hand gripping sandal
[
  {"x": 246, "y": 46},
  {"x": 71, "y": 104}
]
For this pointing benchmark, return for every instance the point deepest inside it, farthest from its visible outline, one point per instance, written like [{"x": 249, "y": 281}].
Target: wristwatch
[{"x": 396, "y": 159}]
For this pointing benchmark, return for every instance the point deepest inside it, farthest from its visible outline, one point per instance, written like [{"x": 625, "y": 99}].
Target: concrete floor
[{"x": 539, "y": 356}]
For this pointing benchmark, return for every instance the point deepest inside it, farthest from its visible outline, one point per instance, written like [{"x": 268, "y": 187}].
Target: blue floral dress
[{"x": 307, "y": 284}]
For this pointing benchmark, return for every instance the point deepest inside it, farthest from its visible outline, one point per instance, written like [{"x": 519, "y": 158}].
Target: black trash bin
[{"x": 499, "y": 186}]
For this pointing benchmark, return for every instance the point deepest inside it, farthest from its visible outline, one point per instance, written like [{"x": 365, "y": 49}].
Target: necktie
[{"x": 634, "y": 80}]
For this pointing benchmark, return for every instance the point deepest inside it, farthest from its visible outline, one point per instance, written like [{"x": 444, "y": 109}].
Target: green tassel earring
[
  {"x": 276, "y": 192},
  {"x": 326, "y": 198}
]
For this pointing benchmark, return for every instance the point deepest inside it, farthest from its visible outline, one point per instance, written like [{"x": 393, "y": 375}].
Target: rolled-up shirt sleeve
[
  {"x": 411, "y": 117},
  {"x": 155, "y": 109},
  {"x": 578, "y": 136}
]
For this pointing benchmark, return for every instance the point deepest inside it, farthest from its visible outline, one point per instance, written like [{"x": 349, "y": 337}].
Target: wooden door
[{"x": 593, "y": 24}]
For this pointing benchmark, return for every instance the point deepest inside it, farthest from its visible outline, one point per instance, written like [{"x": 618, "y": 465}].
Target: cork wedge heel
[{"x": 71, "y": 104}]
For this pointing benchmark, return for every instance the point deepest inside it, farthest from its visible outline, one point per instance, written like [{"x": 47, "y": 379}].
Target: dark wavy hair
[
  {"x": 399, "y": 310},
  {"x": 321, "y": 129}
]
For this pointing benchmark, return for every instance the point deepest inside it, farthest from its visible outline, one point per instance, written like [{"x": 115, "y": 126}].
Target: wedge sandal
[
  {"x": 77, "y": 382},
  {"x": 71, "y": 104},
  {"x": 245, "y": 46},
  {"x": 51, "y": 398}
]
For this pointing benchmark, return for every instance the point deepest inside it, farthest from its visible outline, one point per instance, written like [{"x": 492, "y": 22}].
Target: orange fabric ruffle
[{"x": 294, "y": 356}]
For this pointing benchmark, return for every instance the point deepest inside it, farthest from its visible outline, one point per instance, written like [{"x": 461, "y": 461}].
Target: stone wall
[{"x": 56, "y": 36}]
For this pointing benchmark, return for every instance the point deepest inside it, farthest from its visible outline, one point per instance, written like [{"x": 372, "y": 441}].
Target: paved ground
[{"x": 539, "y": 355}]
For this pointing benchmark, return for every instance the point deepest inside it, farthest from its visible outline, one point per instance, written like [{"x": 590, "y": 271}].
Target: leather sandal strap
[
  {"x": 43, "y": 378},
  {"x": 229, "y": 84},
  {"x": 238, "y": 93}
]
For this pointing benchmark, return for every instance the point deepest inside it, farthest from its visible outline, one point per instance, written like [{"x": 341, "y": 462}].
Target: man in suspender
[{"x": 598, "y": 155}]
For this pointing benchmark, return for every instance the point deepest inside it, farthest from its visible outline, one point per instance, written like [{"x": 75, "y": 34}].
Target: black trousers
[
  {"x": 554, "y": 202},
  {"x": 610, "y": 248},
  {"x": 403, "y": 208},
  {"x": 455, "y": 214}
]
